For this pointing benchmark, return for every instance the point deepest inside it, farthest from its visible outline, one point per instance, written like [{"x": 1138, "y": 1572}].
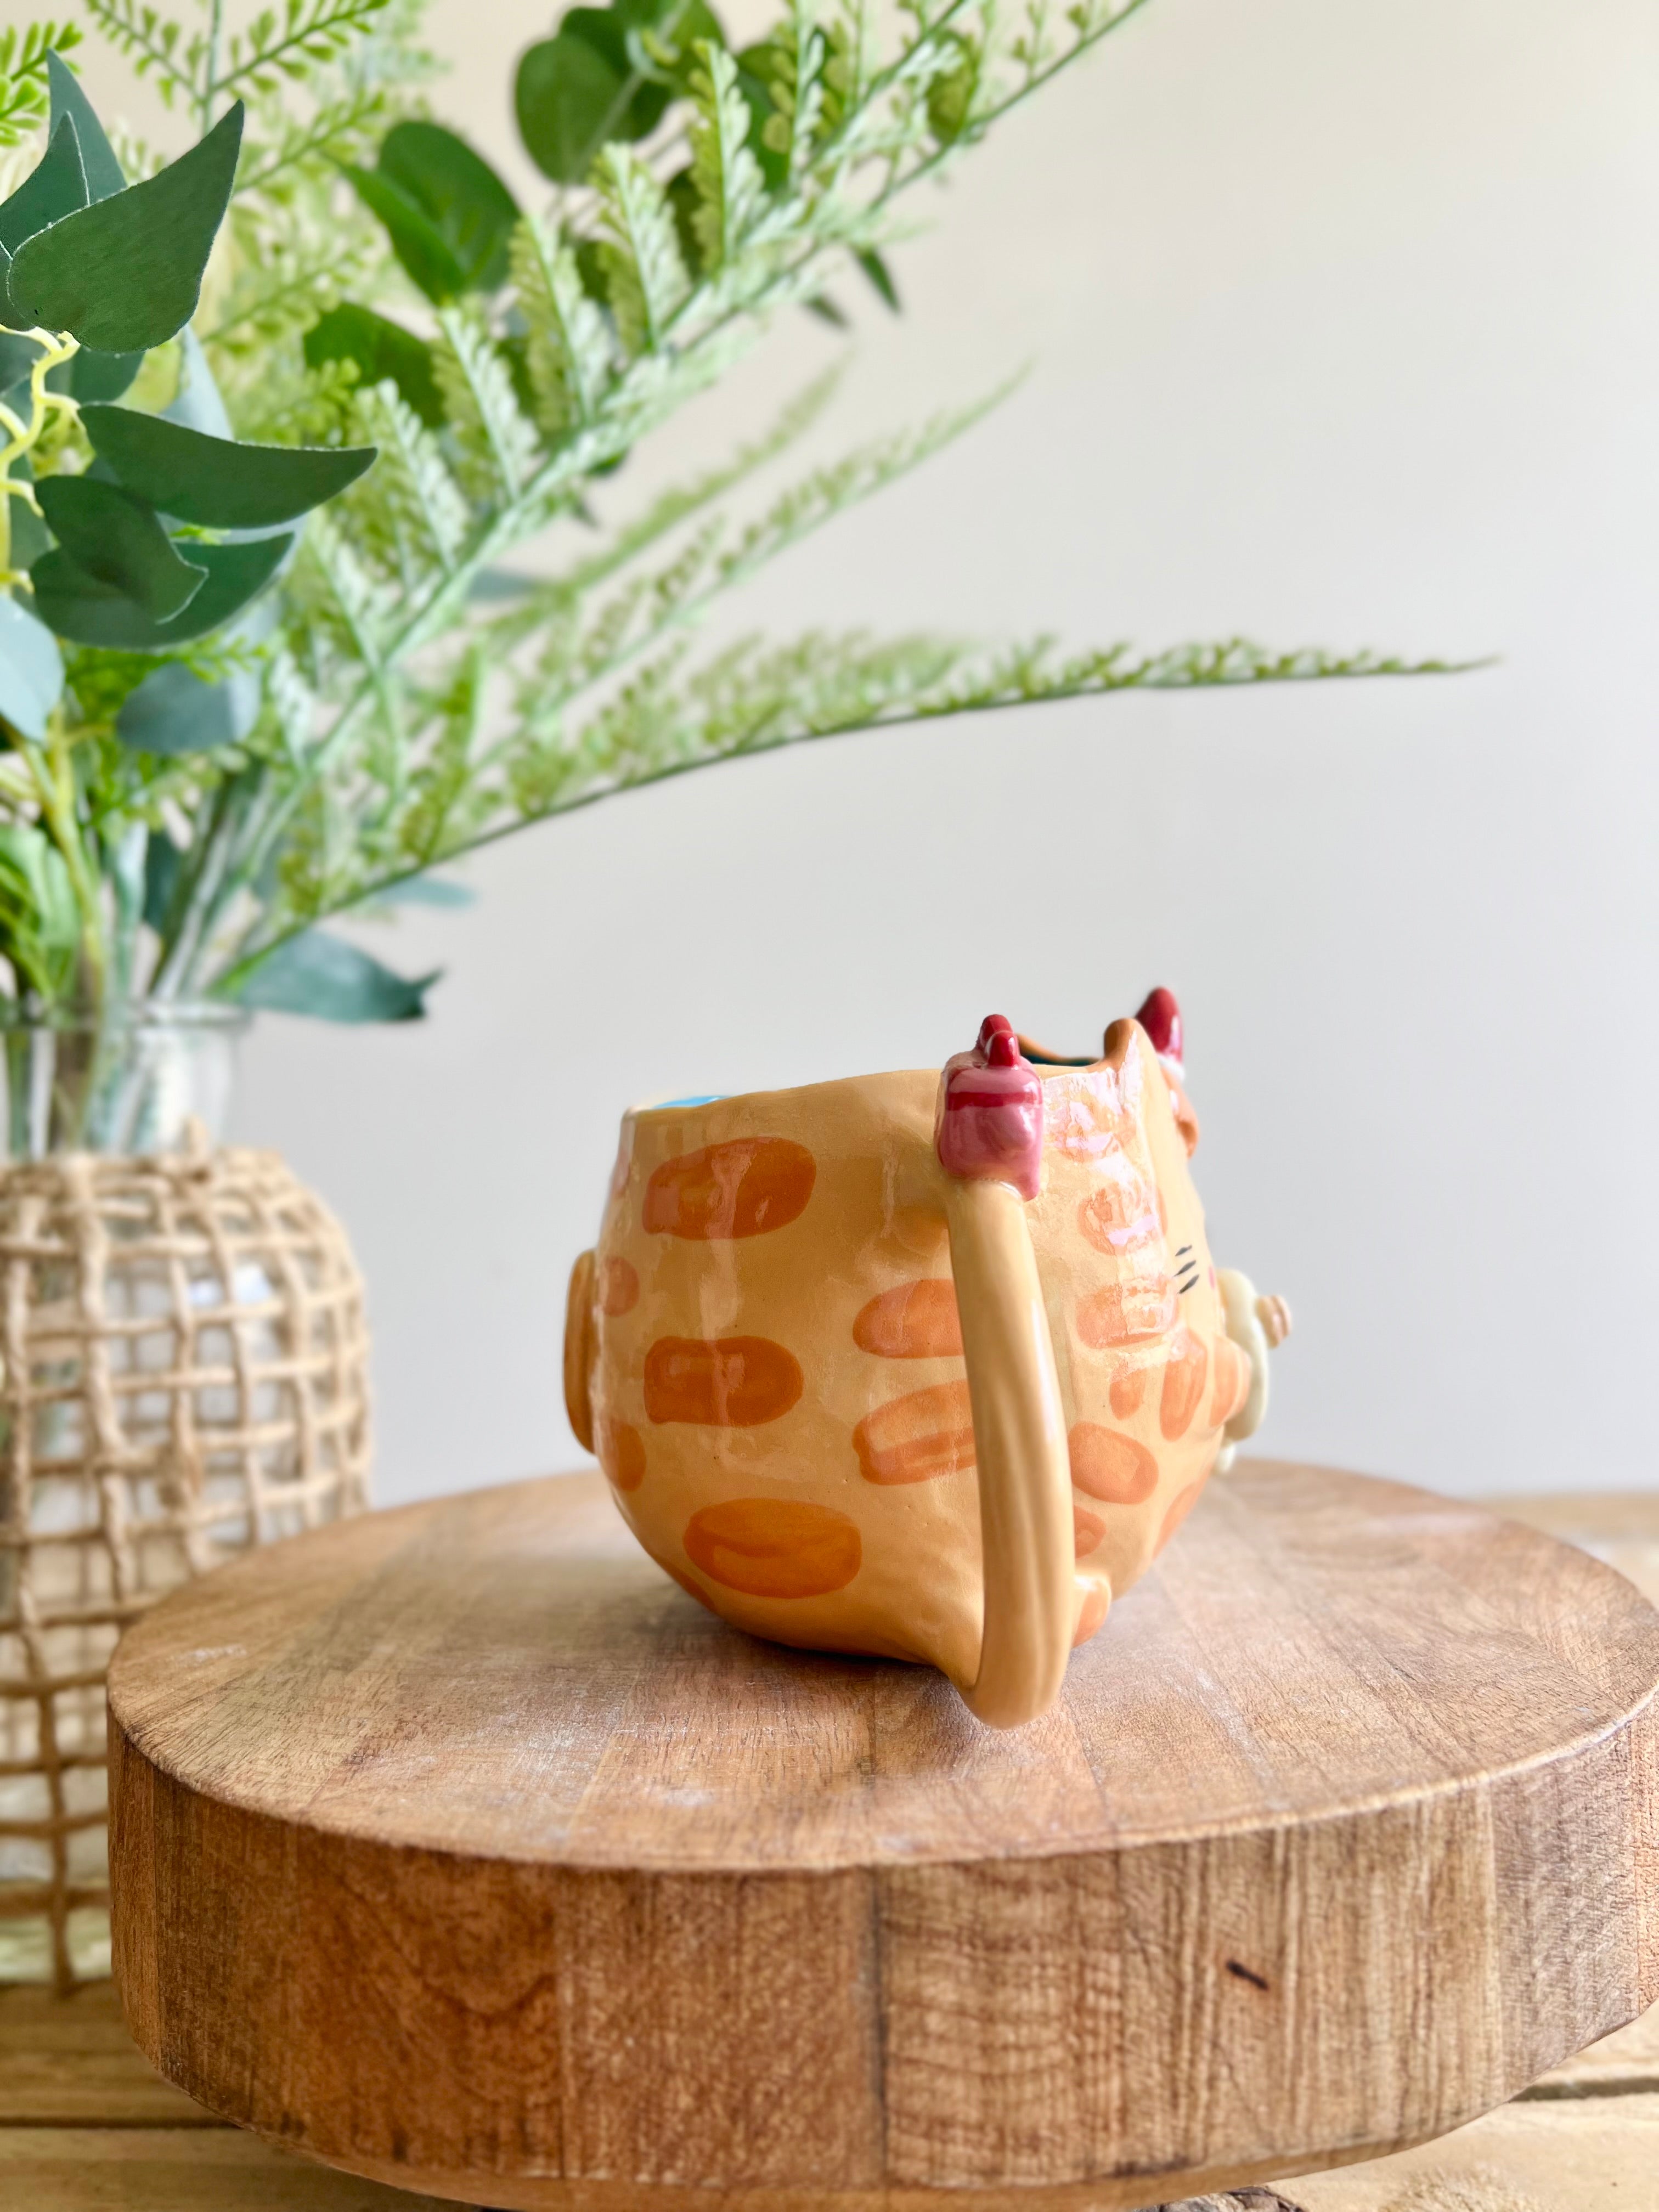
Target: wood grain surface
[
  {"x": 87, "y": 2125},
  {"x": 460, "y": 1849}
]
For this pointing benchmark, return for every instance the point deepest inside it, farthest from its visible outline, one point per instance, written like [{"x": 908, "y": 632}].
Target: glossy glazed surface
[{"x": 768, "y": 1346}]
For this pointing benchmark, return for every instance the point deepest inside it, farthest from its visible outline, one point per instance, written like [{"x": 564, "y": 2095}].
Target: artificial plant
[{"x": 226, "y": 729}]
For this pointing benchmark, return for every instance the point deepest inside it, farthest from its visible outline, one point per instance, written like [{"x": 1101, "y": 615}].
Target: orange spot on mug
[
  {"x": 1110, "y": 1466},
  {"x": 1138, "y": 1311},
  {"x": 1184, "y": 1375},
  {"x": 733, "y": 1383},
  {"x": 783, "y": 1547},
  {"x": 912, "y": 1439},
  {"x": 913, "y": 1320},
  {"x": 621, "y": 1452},
  {"x": 751, "y": 1186}
]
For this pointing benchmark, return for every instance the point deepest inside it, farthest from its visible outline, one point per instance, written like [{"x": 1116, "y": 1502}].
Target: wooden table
[{"x": 85, "y": 2125}]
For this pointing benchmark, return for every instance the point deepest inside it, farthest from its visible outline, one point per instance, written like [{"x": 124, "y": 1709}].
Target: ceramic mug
[{"x": 925, "y": 1364}]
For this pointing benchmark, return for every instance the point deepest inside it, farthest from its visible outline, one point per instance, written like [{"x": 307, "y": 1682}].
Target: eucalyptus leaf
[
  {"x": 105, "y": 175},
  {"x": 118, "y": 540},
  {"x": 384, "y": 352},
  {"x": 55, "y": 187},
  {"x": 427, "y": 258},
  {"x": 570, "y": 97},
  {"x": 428, "y": 890},
  {"x": 18, "y": 356},
  {"x": 215, "y": 481},
  {"x": 94, "y": 375},
  {"x": 126, "y": 273},
  {"x": 324, "y": 976},
  {"x": 174, "y": 711},
  {"x": 31, "y": 670},
  {"x": 447, "y": 214},
  {"x": 29, "y": 535},
  {"x": 608, "y": 73},
  {"x": 659, "y": 37},
  {"x": 163, "y": 863},
  {"x": 79, "y": 607},
  {"x": 460, "y": 192}
]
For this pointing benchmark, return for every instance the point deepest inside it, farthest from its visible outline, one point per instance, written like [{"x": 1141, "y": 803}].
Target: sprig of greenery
[
  {"x": 419, "y": 682},
  {"x": 23, "y": 53}
]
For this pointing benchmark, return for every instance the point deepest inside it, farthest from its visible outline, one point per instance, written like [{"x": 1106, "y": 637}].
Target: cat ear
[{"x": 1160, "y": 1016}]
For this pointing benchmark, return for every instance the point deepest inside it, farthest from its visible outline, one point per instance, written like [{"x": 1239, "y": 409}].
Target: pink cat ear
[
  {"x": 1160, "y": 1016},
  {"x": 990, "y": 1120}
]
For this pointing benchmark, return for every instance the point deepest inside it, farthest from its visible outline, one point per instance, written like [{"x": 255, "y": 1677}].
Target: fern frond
[
  {"x": 797, "y": 90},
  {"x": 344, "y": 602},
  {"x": 339, "y": 130},
  {"x": 496, "y": 446},
  {"x": 287, "y": 267},
  {"x": 408, "y": 513},
  {"x": 754, "y": 697},
  {"x": 1033, "y": 672},
  {"x": 645, "y": 274},
  {"x": 442, "y": 719},
  {"x": 568, "y": 350},
  {"x": 830, "y": 491},
  {"x": 441, "y": 806},
  {"x": 724, "y": 175},
  {"x": 848, "y": 66},
  {"x": 157, "y": 45},
  {"x": 24, "y": 99},
  {"x": 292, "y": 43},
  {"x": 545, "y": 602},
  {"x": 293, "y": 704}
]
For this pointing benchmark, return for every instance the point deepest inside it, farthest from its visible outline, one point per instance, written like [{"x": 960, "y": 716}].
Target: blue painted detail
[{"x": 714, "y": 1098}]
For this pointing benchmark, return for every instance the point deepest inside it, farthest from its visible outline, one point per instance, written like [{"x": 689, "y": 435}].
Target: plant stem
[
  {"x": 53, "y": 770},
  {"x": 209, "y": 66}
]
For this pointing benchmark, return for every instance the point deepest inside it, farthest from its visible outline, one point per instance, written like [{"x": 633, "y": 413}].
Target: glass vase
[{"x": 131, "y": 1081}]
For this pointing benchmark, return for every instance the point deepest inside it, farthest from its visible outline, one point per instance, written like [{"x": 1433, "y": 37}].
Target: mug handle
[{"x": 989, "y": 1140}]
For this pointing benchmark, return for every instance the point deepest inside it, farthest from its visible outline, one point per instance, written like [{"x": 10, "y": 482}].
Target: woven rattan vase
[{"x": 185, "y": 1375}]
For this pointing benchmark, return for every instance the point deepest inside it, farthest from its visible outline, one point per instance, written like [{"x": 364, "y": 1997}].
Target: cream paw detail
[{"x": 1258, "y": 1325}]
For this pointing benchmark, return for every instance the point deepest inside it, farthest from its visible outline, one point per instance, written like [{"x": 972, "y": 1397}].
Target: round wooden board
[{"x": 458, "y": 1847}]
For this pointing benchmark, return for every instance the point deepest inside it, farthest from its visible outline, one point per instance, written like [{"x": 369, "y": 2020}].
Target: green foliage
[
  {"x": 606, "y": 78},
  {"x": 106, "y": 537},
  {"x": 24, "y": 85},
  {"x": 40, "y": 921},
  {"x": 447, "y": 214},
  {"x": 215, "y": 481},
  {"x": 126, "y": 273},
  {"x": 219, "y": 741},
  {"x": 103, "y": 170},
  {"x": 31, "y": 671},
  {"x": 315, "y": 974},
  {"x": 92, "y": 609},
  {"x": 51, "y": 190},
  {"x": 380, "y": 351},
  {"x": 194, "y": 66}
]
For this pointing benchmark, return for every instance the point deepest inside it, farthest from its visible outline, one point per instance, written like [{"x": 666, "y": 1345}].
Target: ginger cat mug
[{"x": 926, "y": 1364}]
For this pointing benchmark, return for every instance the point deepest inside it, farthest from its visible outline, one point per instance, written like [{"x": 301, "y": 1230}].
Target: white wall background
[{"x": 1344, "y": 326}]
